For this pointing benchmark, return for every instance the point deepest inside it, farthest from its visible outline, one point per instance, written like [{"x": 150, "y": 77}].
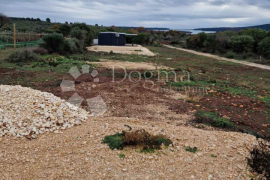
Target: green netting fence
[{"x": 4, "y": 45}]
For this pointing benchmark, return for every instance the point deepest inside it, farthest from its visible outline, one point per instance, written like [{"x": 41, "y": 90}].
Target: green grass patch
[
  {"x": 122, "y": 156},
  {"x": 213, "y": 118}
]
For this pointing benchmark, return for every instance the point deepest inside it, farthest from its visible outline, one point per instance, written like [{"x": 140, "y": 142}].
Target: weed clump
[
  {"x": 192, "y": 150},
  {"x": 260, "y": 159},
  {"x": 139, "y": 138},
  {"x": 213, "y": 118}
]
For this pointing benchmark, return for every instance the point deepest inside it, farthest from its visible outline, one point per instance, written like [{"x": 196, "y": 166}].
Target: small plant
[
  {"x": 213, "y": 118},
  {"x": 192, "y": 150},
  {"x": 111, "y": 52},
  {"x": 122, "y": 156},
  {"x": 115, "y": 141},
  {"x": 139, "y": 138},
  {"x": 213, "y": 156}
]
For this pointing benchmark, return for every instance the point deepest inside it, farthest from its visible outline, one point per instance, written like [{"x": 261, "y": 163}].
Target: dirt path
[
  {"x": 128, "y": 65},
  {"x": 222, "y": 58}
]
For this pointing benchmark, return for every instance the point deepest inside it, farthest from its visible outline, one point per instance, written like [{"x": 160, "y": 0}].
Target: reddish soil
[{"x": 132, "y": 100}]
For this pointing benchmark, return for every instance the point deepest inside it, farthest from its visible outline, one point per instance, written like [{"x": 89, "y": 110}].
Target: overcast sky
[{"x": 175, "y": 14}]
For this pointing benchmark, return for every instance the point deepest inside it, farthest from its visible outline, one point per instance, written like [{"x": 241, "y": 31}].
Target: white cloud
[{"x": 149, "y": 13}]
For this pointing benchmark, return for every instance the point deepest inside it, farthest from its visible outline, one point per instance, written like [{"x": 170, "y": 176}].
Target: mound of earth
[{"x": 28, "y": 112}]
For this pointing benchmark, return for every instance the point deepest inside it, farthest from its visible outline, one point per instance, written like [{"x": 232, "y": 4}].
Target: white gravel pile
[{"x": 28, "y": 112}]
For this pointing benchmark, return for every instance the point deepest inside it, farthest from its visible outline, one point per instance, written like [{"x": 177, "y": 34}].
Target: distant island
[{"x": 218, "y": 29}]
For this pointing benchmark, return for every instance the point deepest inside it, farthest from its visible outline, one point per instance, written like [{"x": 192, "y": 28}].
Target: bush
[
  {"x": 211, "y": 42},
  {"x": 192, "y": 42},
  {"x": 136, "y": 138},
  {"x": 75, "y": 45},
  {"x": 40, "y": 51},
  {"x": 23, "y": 55},
  {"x": 260, "y": 159},
  {"x": 201, "y": 38},
  {"x": 174, "y": 42},
  {"x": 230, "y": 55},
  {"x": 264, "y": 47},
  {"x": 242, "y": 43},
  {"x": 80, "y": 35},
  {"x": 144, "y": 38},
  {"x": 213, "y": 119},
  {"x": 55, "y": 43}
]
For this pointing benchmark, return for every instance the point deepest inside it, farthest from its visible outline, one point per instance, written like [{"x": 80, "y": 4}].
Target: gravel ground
[{"x": 77, "y": 153}]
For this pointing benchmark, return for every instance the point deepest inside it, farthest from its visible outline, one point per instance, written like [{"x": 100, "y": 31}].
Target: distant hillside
[
  {"x": 156, "y": 29},
  {"x": 264, "y": 27}
]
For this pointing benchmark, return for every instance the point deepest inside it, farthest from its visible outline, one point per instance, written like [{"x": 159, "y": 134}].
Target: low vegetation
[
  {"x": 213, "y": 119},
  {"x": 260, "y": 159},
  {"x": 192, "y": 150},
  {"x": 23, "y": 55},
  {"x": 139, "y": 138}
]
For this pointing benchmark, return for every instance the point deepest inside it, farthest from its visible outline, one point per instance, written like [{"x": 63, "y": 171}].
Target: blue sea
[{"x": 196, "y": 31}]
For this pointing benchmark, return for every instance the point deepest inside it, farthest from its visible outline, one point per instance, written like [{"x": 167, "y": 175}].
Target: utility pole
[{"x": 14, "y": 35}]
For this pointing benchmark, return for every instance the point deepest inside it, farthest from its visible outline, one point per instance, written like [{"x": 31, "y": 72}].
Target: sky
[{"x": 174, "y": 14}]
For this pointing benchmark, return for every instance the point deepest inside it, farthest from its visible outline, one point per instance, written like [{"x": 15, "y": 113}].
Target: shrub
[
  {"x": 79, "y": 34},
  {"x": 213, "y": 119},
  {"x": 136, "y": 138},
  {"x": 211, "y": 42},
  {"x": 75, "y": 45},
  {"x": 230, "y": 55},
  {"x": 144, "y": 38},
  {"x": 264, "y": 47},
  {"x": 242, "y": 43},
  {"x": 247, "y": 55},
  {"x": 201, "y": 38},
  {"x": 175, "y": 42},
  {"x": 23, "y": 55},
  {"x": 260, "y": 159},
  {"x": 65, "y": 29},
  {"x": 40, "y": 51},
  {"x": 192, "y": 42},
  {"x": 222, "y": 42},
  {"x": 55, "y": 43}
]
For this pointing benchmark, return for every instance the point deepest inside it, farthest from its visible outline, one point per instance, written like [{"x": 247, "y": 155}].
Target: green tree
[
  {"x": 4, "y": 20},
  {"x": 240, "y": 44},
  {"x": 202, "y": 37},
  {"x": 48, "y": 20},
  {"x": 79, "y": 34},
  {"x": 65, "y": 29},
  {"x": 55, "y": 43},
  {"x": 264, "y": 47},
  {"x": 211, "y": 42}
]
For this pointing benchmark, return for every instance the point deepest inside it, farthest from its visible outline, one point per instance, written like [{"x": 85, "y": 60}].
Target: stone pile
[{"x": 28, "y": 112}]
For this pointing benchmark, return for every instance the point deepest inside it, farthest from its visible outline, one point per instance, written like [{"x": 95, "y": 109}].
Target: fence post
[{"x": 14, "y": 36}]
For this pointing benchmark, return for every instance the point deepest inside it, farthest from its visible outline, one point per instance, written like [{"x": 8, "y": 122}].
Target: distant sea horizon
[{"x": 195, "y": 31}]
